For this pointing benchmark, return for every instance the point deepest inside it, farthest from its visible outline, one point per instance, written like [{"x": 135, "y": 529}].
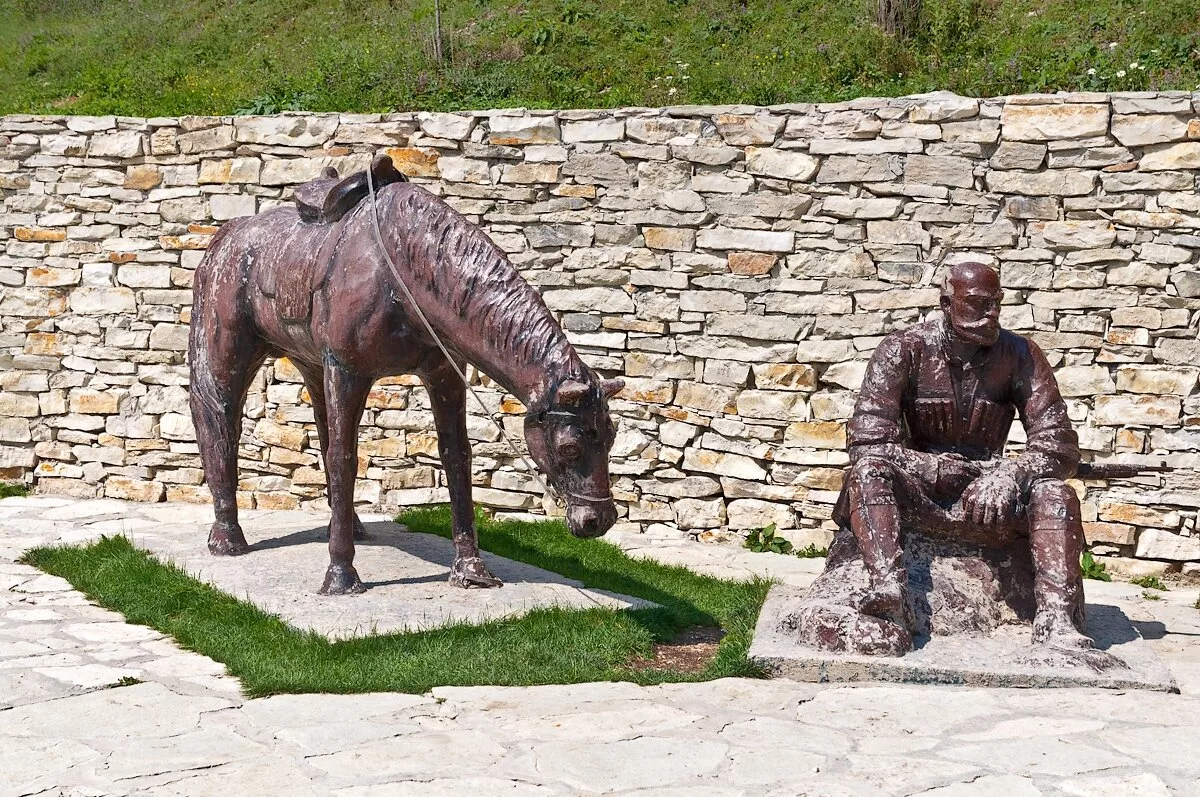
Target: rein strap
[{"x": 547, "y": 489}]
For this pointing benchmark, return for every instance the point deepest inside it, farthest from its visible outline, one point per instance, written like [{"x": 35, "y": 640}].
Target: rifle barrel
[{"x": 1115, "y": 470}]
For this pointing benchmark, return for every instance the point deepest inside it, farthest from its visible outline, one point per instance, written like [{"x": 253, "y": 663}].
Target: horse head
[{"x": 569, "y": 437}]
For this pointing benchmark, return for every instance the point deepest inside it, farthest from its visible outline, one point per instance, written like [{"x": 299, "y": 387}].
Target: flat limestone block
[
  {"x": 985, "y": 660},
  {"x": 405, "y": 574}
]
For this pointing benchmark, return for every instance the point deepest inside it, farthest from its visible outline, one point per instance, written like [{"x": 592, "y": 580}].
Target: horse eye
[{"x": 593, "y": 434}]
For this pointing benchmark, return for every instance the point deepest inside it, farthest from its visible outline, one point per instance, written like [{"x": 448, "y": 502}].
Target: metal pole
[{"x": 437, "y": 30}]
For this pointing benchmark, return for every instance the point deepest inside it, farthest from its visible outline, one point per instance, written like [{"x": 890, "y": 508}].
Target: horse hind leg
[
  {"x": 314, "y": 381},
  {"x": 220, "y": 375}
]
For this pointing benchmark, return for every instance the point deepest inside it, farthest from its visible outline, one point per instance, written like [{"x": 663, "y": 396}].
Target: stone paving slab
[
  {"x": 186, "y": 730},
  {"x": 999, "y": 659}
]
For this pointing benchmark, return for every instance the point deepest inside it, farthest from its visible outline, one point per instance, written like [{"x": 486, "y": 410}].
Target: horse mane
[{"x": 462, "y": 269}]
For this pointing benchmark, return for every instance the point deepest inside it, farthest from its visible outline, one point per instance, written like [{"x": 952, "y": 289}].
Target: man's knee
[
  {"x": 872, "y": 479},
  {"x": 1053, "y": 499}
]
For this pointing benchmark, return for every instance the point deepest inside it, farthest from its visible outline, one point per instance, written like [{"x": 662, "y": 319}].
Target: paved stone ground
[{"x": 185, "y": 730}]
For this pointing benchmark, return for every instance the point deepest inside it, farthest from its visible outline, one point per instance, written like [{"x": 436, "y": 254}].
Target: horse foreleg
[
  {"x": 345, "y": 398},
  {"x": 315, "y": 382},
  {"x": 222, "y": 364},
  {"x": 448, "y": 400}
]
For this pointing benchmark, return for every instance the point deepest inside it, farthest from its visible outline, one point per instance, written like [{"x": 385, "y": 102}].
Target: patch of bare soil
[{"x": 689, "y": 652}]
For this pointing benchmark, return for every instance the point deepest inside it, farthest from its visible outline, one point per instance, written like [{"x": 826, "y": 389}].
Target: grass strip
[
  {"x": 150, "y": 58},
  {"x": 546, "y": 646}
]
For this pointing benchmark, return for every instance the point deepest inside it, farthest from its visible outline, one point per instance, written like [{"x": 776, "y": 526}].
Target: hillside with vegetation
[{"x": 147, "y": 58}]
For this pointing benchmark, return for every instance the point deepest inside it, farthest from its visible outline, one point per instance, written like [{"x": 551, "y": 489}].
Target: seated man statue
[{"x": 926, "y": 444}]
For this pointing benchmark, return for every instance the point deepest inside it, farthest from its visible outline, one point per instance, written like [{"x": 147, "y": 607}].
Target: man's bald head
[
  {"x": 971, "y": 295},
  {"x": 970, "y": 275}
]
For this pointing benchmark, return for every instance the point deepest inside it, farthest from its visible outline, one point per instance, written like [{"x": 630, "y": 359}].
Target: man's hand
[
  {"x": 992, "y": 500},
  {"x": 956, "y": 471}
]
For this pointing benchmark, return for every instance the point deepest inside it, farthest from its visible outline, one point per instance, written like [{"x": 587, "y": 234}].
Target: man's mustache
[{"x": 983, "y": 328}]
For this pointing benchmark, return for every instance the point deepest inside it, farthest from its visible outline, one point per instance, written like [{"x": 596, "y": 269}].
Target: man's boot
[
  {"x": 1056, "y": 543},
  {"x": 1057, "y": 584},
  {"x": 877, "y": 529}
]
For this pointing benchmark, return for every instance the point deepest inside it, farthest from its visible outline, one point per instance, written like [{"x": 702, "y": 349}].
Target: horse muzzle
[{"x": 590, "y": 519}]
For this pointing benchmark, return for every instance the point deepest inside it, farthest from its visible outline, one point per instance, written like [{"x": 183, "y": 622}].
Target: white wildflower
[
  {"x": 1120, "y": 73},
  {"x": 1133, "y": 65},
  {"x": 1091, "y": 71},
  {"x": 670, "y": 91},
  {"x": 1112, "y": 45}
]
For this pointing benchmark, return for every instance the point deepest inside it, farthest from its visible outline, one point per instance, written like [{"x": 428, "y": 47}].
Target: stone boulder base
[{"x": 974, "y": 610}]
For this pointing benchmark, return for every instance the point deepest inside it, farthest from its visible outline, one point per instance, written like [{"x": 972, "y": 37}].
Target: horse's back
[{"x": 273, "y": 254}]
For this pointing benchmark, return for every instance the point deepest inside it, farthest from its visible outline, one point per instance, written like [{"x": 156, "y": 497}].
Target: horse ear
[
  {"x": 571, "y": 393},
  {"x": 329, "y": 173},
  {"x": 611, "y": 387}
]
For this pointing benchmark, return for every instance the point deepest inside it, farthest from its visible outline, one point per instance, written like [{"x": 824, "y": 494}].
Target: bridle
[{"x": 564, "y": 416}]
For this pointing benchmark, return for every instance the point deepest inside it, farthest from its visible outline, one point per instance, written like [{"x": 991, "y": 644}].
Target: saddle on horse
[
  {"x": 324, "y": 201},
  {"x": 328, "y": 198}
]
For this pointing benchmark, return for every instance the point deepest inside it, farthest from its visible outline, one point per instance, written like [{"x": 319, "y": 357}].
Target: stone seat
[
  {"x": 956, "y": 587},
  {"x": 328, "y": 198}
]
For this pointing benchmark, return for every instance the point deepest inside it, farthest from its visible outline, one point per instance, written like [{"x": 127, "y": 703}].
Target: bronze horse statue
[{"x": 311, "y": 282}]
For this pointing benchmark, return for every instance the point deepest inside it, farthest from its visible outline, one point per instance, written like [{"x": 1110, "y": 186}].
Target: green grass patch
[
  {"x": 546, "y": 646},
  {"x": 1149, "y": 582},
  {"x": 148, "y": 58},
  {"x": 811, "y": 551},
  {"x": 8, "y": 490}
]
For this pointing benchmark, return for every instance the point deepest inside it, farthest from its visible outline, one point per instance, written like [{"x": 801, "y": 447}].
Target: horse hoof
[
  {"x": 342, "y": 580},
  {"x": 471, "y": 573},
  {"x": 227, "y": 541}
]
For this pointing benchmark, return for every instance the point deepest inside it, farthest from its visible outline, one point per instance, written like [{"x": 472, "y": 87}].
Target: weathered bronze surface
[
  {"x": 955, "y": 537},
  {"x": 310, "y": 282}
]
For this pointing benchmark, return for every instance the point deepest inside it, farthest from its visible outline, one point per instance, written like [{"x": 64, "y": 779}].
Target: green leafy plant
[
  {"x": 766, "y": 541},
  {"x": 1149, "y": 582},
  {"x": 811, "y": 551},
  {"x": 1093, "y": 569},
  {"x": 273, "y": 103},
  {"x": 12, "y": 490},
  {"x": 1152, "y": 596}
]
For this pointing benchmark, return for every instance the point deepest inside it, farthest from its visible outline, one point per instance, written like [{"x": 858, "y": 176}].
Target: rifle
[
  {"x": 1112, "y": 470},
  {"x": 1086, "y": 470}
]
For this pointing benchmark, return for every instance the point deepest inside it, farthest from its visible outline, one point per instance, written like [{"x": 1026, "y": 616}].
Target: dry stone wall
[{"x": 736, "y": 265}]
